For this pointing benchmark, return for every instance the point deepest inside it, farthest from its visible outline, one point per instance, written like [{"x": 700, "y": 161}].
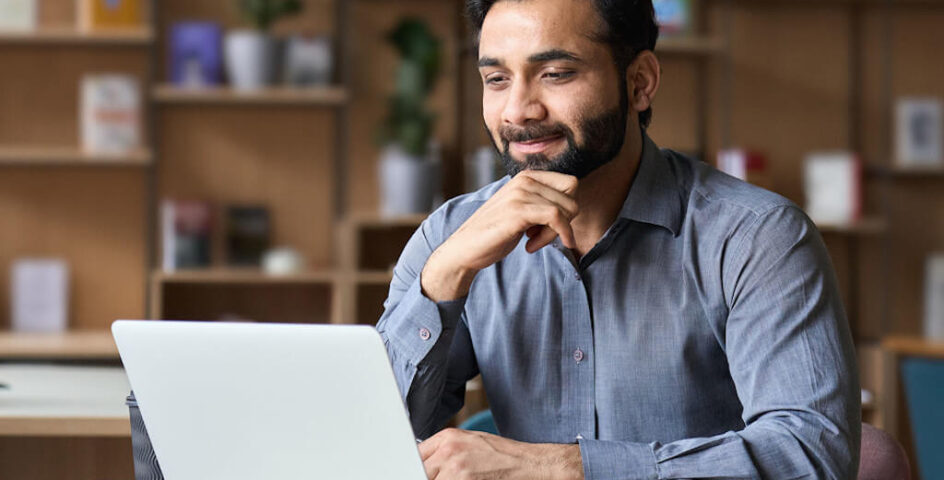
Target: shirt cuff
[
  {"x": 423, "y": 322},
  {"x": 624, "y": 460}
]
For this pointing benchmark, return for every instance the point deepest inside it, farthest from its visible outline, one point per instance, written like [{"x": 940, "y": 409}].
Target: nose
[{"x": 523, "y": 105}]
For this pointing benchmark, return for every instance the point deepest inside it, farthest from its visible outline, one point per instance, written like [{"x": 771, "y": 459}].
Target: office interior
[{"x": 139, "y": 181}]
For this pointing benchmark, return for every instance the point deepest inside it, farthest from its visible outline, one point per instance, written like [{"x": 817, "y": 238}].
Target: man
[{"x": 633, "y": 313}]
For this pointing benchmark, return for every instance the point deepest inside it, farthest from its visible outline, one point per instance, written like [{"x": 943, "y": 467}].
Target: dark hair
[{"x": 629, "y": 28}]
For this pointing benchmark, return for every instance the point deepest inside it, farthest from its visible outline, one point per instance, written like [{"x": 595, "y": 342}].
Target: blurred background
[{"x": 252, "y": 160}]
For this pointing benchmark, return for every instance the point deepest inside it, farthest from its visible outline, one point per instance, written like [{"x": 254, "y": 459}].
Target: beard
[{"x": 603, "y": 136}]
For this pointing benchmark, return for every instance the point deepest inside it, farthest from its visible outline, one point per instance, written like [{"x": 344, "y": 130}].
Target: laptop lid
[{"x": 250, "y": 401}]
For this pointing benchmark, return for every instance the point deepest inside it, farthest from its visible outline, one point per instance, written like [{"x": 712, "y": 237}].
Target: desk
[
  {"x": 76, "y": 345},
  {"x": 64, "y": 422}
]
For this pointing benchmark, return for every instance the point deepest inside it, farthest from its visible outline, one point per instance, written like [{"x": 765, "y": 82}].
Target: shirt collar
[{"x": 654, "y": 195}]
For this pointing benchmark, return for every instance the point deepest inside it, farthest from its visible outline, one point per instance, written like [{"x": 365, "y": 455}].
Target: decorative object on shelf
[
  {"x": 17, "y": 15},
  {"x": 919, "y": 132},
  {"x": 39, "y": 295},
  {"x": 673, "y": 16},
  {"x": 95, "y": 15},
  {"x": 481, "y": 168},
  {"x": 282, "y": 261},
  {"x": 247, "y": 235},
  {"x": 194, "y": 54},
  {"x": 110, "y": 114},
  {"x": 308, "y": 61},
  {"x": 747, "y": 165},
  {"x": 833, "y": 185},
  {"x": 934, "y": 298},
  {"x": 185, "y": 234},
  {"x": 251, "y": 54},
  {"x": 409, "y": 160}
]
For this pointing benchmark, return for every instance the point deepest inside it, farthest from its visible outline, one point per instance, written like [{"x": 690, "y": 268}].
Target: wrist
[
  {"x": 562, "y": 462},
  {"x": 443, "y": 279}
]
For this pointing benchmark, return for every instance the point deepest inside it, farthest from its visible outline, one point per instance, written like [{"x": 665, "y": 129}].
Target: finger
[
  {"x": 429, "y": 446},
  {"x": 541, "y": 240},
  {"x": 552, "y": 217},
  {"x": 564, "y": 200},
  {"x": 558, "y": 181}
]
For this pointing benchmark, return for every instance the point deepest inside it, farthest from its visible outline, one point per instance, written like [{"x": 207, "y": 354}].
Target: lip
[{"x": 537, "y": 145}]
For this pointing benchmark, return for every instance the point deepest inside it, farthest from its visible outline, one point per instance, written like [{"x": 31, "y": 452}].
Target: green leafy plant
[
  {"x": 408, "y": 122},
  {"x": 263, "y": 13}
]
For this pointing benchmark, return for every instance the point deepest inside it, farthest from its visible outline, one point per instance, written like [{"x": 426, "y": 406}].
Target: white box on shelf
[
  {"x": 17, "y": 15},
  {"x": 39, "y": 295},
  {"x": 110, "y": 114},
  {"x": 832, "y": 181},
  {"x": 934, "y": 298},
  {"x": 918, "y": 132}
]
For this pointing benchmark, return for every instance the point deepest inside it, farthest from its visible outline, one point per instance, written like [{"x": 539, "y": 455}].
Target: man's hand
[
  {"x": 539, "y": 204},
  {"x": 458, "y": 454}
]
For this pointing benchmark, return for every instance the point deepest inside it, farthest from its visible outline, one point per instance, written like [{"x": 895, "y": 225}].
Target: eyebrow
[{"x": 541, "y": 57}]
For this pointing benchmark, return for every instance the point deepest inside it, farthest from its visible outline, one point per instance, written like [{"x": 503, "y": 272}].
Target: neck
[{"x": 601, "y": 194}]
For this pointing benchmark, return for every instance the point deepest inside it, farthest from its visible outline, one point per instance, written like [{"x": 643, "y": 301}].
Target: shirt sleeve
[
  {"x": 428, "y": 343},
  {"x": 791, "y": 357}
]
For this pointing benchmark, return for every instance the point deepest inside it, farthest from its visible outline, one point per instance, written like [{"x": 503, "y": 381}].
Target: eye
[
  {"x": 495, "y": 80},
  {"x": 559, "y": 75}
]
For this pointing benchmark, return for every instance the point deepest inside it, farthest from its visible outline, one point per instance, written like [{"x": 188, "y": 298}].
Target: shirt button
[
  {"x": 579, "y": 437},
  {"x": 424, "y": 333},
  {"x": 578, "y": 355},
  {"x": 577, "y": 276}
]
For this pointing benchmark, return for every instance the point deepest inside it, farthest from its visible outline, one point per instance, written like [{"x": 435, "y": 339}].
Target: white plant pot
[
  {"x": 250, "y": 59},
  {"x": 407, "y": 182}
]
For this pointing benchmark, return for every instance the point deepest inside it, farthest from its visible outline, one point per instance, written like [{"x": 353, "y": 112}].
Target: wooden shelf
[
  {"x": 307, "y": 96},
  {"x": 78, "y": 345},
  {"x": 379, "y": 277},
  {"x": 69, "y": 157},
  {"x": 690, "y": 45},
  {"x": 866, "y": 226},
  {"x": 914, "y": 346},
  {"x": 379, "y": 221},
  {"x": 224, "y": 276},
  {"x": 71, "y": 36},
  {"x": 907, "y": 172}
]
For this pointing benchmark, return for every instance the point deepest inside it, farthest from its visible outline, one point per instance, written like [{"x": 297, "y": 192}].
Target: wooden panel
[
  {"x": 281, "y": 158},
  {"x": 370, "y": 300},
  {"x": 39, "y": 98},
  {"x": 92, "y": 219},
  {"x": 790, "y": 84},
  {"x": 373, "y": 71},
  {"x": 264, "y": 303},
  {"x": 39, "y": 458},
  {"x": 675, "y": 108},
  {"x": 72, "y": 345}
]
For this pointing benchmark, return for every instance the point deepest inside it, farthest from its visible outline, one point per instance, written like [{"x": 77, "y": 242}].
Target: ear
[{"x": 642, "y": 80}]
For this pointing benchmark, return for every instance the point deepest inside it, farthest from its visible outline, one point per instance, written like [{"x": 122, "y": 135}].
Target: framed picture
[
  {"x": 195, "y": 56},
  {"x": 832, "y": 181},
  {"x": 918, "y": 133}
]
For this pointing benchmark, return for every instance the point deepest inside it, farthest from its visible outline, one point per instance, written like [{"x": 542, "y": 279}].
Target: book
[
  {"x": 247, "y": 235},
  {"x": 96, "y": 15},
  {"x": 747, "y": 165},
  {"x": 833, "y": 187},
  {"x": 39, "y": 295},
  {"x": 673, "y": 16},
  {"x": 110, "y": 114},
  {"x": 918, "y": 133},
  {"x": 195, "y": 58},
  {"x": 17, "y": 15},
  {"x": 934, "y": 298},
  {"x": 186, "y": 227}
]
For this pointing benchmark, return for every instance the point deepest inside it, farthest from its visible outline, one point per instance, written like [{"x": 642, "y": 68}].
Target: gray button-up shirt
[{"x": 702, "y": 337}]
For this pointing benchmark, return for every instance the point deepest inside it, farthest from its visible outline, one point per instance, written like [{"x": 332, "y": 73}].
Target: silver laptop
[{"x": 252, "y": 401}]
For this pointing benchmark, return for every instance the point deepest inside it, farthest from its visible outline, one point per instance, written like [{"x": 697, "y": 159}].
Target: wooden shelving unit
[
  {"x": 70, "y": 36},
  {"x": 74, "y": 345},
  {"x": 865, "y": 226},
  {"x": 690, "y": 45},
  {"x": 275, "y": 96},
  {"x": 69, "y": 157}
]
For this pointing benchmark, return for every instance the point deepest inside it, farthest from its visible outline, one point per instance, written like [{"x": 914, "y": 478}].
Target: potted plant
[
  {"x": 409, "y": 158},
  {"x": 251, "y": 53}
]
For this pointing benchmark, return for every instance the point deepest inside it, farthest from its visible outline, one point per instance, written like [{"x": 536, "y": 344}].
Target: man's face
[{"x": 552, "y": 99}]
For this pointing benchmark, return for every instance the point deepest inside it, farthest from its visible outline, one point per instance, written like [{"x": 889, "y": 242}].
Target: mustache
[{"x": 511, "y": 134}]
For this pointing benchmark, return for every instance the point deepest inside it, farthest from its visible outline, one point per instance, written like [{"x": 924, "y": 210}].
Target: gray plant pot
[
  {"x": 251, "y": 59},
  {"x": 407, "y": 183}
]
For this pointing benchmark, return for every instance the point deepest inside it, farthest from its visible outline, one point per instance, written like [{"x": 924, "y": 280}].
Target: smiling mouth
[{"x": 537, "y": 145}]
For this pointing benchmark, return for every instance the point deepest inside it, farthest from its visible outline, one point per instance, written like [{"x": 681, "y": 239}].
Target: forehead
[{"x": 519, "y": 28}]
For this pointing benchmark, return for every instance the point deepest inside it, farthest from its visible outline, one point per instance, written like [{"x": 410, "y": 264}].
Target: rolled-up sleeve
[
  {"x": 791, "y": 357},
  {"x": 420, "y": 334}
]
